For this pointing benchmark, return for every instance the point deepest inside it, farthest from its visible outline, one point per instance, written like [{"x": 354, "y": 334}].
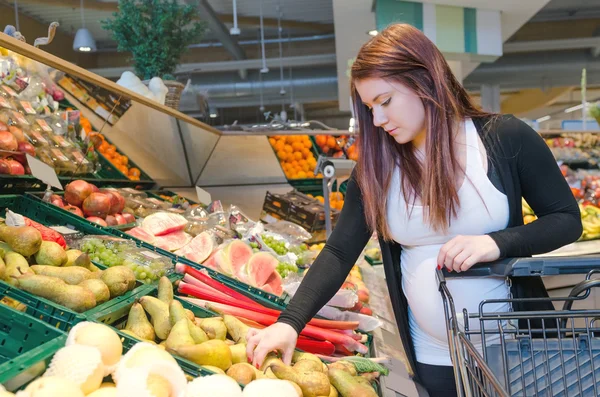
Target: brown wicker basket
[{"x": 174, "y": 94}]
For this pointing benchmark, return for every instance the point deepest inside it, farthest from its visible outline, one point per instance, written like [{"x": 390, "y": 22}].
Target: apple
[
  {"x": 120, "y": 219},
  {"x": 111, "y": 220},
  {"x": 129, "y": 218},
  {"x": 99, "y": 221},
  {"x": 75, "y": 210}
]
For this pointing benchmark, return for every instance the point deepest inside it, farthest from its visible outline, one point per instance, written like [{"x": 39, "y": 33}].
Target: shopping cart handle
[{"x": 538, "y": 266}]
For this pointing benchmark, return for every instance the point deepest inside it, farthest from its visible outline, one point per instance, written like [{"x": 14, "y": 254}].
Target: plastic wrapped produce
[{"x": 147, "y": 265}]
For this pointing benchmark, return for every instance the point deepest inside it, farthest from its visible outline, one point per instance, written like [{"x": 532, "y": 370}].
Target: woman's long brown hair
[{"x": 403, "y": 54}]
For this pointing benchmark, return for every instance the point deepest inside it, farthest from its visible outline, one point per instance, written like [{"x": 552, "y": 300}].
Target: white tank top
[{"x": 421, "y": 245}]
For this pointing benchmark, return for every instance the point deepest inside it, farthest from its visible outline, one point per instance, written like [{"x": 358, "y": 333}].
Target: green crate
[
  {"x": 26, "y": 343},
  {"x": 17, "y": 184},
  {"x": 306, "y": 181},
  {"x": 156, "y": 194},
  {"x": 372, "y": 261}
]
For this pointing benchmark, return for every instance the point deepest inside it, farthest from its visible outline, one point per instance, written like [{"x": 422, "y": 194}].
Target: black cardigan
[{"x": 526, "y": 168}]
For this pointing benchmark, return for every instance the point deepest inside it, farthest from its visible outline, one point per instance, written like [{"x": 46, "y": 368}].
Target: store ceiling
[{"x": 546, "y": 53}]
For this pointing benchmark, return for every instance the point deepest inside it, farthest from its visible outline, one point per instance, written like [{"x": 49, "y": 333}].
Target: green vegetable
[{"x": 363, "y": 364}]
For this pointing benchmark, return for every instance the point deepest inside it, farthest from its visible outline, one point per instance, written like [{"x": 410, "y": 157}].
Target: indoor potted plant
[{"x": 157, "y": 33}]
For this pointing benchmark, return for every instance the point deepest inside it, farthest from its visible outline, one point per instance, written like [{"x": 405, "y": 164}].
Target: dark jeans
[{"x": 437, "y": 380}]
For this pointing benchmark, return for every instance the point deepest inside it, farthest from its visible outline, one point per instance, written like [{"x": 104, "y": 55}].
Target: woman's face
[{"x": 395, "y": 108}]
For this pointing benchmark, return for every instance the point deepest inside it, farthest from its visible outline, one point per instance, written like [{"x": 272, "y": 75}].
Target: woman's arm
[
  {"x": 547, "y": 192},
  {"x": 330, "y": 269}
]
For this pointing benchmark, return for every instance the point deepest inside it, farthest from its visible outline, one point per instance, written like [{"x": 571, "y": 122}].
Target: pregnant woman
[{"x": 441, "y": 183}]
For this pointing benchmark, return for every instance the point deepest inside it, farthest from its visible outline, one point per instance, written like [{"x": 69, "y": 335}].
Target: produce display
[
  {"x": 36, "y": 259},
  {"x": 121, "y": 162},
  {"x": 295, "y": 155},
  {"x": 342, "y": 146}
]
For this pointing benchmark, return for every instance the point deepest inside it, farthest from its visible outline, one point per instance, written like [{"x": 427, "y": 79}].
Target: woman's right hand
[{"x": 279, "y": 336}]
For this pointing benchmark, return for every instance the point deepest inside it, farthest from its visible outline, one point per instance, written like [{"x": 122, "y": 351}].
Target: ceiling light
[
  {"x": 577, "y": 107},
  {"x": 373, "y": 32},
  {"x": 234, "y": 31},
  {"x": 352, "y": 122},
  {"x": 84, "y": 41},
  {"x": 545, "y": 118}
]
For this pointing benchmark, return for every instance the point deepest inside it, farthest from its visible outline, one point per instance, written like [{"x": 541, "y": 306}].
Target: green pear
[
  {"x": 348, "y": 385},
  {"x": 190, "y": 315},
  {"x": 237, "y": 329},
  {"x": 100, "y": 290},
  {"x": 238, "y": 353},
  {"x": 176, "y": 310},
  {"x": 198, "y": 334},
  {"x": 119, "y": 280},
  {"x": 2, "y": 268},
  {"x": 165, "y": 290},
  {"x": 77, "y": 258},
  {"x": 213, "y": 352},
  {"x": 4, "y": 249},
  {"x": 214, "y": 327},
  {"x": 24, "y": 240},
  {"x": 16, "y": 266},
  {"x": 138, "y": 323},
  {"x": 70, "y": 275},
  {"x": 74, "y": 297},
  {"x": 159, "y": 312},
  {"x": 313, "y": 384},
  {"x": 179, "y": 335},
  {"x": 51, "y": 254},
  {"x": 242, "y": 373}
]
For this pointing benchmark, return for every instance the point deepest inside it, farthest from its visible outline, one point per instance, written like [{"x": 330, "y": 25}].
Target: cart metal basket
[{"x": 543, "y": 353}]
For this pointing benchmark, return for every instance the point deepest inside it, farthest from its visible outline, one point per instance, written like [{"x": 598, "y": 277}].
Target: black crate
[{"x": 311, "y": 216}]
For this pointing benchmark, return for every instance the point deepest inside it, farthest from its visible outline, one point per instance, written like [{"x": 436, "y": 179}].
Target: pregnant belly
[{"x": 421, "y": 289}]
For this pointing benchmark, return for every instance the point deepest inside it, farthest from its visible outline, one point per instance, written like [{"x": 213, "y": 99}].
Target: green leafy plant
[{"x": 156, "y": 32}]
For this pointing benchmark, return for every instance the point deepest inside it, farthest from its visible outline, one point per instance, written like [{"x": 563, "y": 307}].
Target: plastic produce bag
[
  {"x": 147, "y": 265},
  {"x": 104, "y": 249},
  {"x": 365, "y": 323},
  {"x": 344, "y": 298},
  {"x": 296, "y": 234}
]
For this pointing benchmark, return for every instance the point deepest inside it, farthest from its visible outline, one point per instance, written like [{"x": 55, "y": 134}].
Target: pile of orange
[
  {"x": 120, "y": 161},
  {"x": 295, "y": 155},
  {"x": 336, "y": 200},
  {"x": 329, "y": 146}
]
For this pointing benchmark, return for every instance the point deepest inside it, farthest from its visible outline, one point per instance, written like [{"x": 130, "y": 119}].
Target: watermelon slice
[
  {"x": 162, "y": 223},
  {"x": 273, "y": 284},
  {"x": 223, "y": 263},
  {"x": 260, "y": 267},
  {"x": 238, "y": 253},
  {"x": 199, "y": 249},
  {"x": 211, "y": 262},
  {"x": 141, "y": 234},
  {"x": 173, "y": 241}
]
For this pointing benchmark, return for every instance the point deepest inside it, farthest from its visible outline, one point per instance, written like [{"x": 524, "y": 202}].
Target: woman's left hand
[{"x": 462, "y": 252}]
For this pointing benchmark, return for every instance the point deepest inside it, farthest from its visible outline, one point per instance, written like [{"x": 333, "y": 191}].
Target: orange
[
  {"x": 298, "y": 146},
  {"x": 301, "y": 174},
  {"x": 272, "y": 141},
  {"x": 320, "y": 198},
  {"x": 134, "y": 172},
  {"x": 294, "y": 162},
  {"x": 308, "y": 144},
  {"x": 125, "y": 160},
  {"x": 310, "y": 195},
  {"x": 279, "y": 144},
  {"x": 331, "y": 142},
  {"x": 337, "y": 196},
  {"x": 298, "y": 155},
  {"x": 290, "y": 139},
  {"x": 306, "y": 153},
  {"x": 321, "y": 140},
  {"x": 307, "y": 168},
  {"x": 282, "y": 155},
  {"x": 339, "y": 205},
  {"x": 288, "y": 148}
]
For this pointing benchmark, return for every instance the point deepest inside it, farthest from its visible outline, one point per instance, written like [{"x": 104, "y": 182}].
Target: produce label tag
[
  {"x": 20, "y": 118},
  {"x": 203, "y": 196},
  {"x": 43, "y": 172},
  {"x": 151, "y": 255},
  {"x": 42, "y": 123},
  {"x": 61, "y": 141},
  {"x": 65, "y": 231},
  {"x": 9, "y": 90},
  {"x": 4, "y": 103},
  {"x": 59, "y": 155},
  {"x": 27, "y": 107},
  {"x": 39, "y": 138}
]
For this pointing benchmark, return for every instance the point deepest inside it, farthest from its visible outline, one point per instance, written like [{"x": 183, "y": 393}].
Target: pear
[
  {"x": 332, "y": 391},
  {"x": 179, "y": 335},
  {"x": 176, "y": 310},
  {"x": 214, "y": 327},
  {"x": 308, "y": 366},
  {"x": 165, "y": 290},
  {"x": 242, "y": 373},
  {"x": 2, "y": 268},
  {"x": 197, "y": 333},
  {"x": 348, "y": 385},
  {"x": 51, "y": 254},
  {"x": 70, "y": 275},
  {"x": 24, "y": 240},
  {"x": 100, "y": 290},
  {"x": 138, "y": 323},
  {"x": 16, "y": 265},
  {"x": 213, "y": 352},
  {"x": 159, "y": 311},
  {"x": 190, "y": 315},
  {"x": 238, "y": 353},
  {"x": 94, "y": 269},
  {"x": 4, "y": 249},
  {"x": 118, "y": 279},
  {"x": 297, "y": 356},
  {"x": 212, "y": 369},
  {"x": 77, "y": 258},
  {"x": 237, "y": 329},
  {"x": 74, "y": 297},
  {"x": 312, "y": 383}
]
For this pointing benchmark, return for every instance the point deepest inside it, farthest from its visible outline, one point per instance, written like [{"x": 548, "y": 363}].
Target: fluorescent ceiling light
[
  {"x": 545, "y": 118},
  {"x": 577, "y": 107},
  {"x": 373, "y": 32}
]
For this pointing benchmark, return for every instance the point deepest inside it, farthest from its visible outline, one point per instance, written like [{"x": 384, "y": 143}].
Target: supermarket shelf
[
  {"x": 558, "y": 132},
  {"x": 576, "y": 249},
  {"x": 67, "y": 67},
  {"x": 286, "y": 132}
]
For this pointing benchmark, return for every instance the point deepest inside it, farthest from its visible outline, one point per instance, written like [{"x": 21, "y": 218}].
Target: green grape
[{"x": 148, "y": 281}]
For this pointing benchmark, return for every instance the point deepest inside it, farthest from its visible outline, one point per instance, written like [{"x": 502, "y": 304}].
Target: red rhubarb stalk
[
  {"x": 315, "y": 346},
  {"x": 192, "y": 281}
]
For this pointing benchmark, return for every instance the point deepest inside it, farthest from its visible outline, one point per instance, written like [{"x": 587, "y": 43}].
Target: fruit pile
[
  {"x": 120, "y": 161},
  {"x": 295, "y": 155},
  {"x": 336, "y": 200},
  {"x": 104, "y": 207},
  {"x": 332, "y": 146},
  {"x": 13, "y": 148},
  {"x": 35, "y": 259}
]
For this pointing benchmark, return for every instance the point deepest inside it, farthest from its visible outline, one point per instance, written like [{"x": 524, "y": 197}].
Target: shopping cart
[{"x": 526, "y": 353}]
